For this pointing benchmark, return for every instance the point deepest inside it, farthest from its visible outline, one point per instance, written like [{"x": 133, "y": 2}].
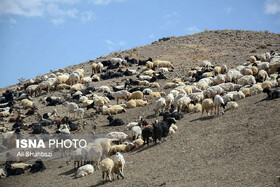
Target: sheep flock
[{"x": 71, "y": 98}]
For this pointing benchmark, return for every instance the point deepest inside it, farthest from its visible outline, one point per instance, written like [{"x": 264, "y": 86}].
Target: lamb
[
  {"x": 84, "y": 170},
  {"x": 136, "y": 132},
  {"x": 120, "y": 136},
  {"x": 160, "y": 104},
  {"x": 115, "y": 122},
  {"x": 119, "y": 163},
  {"x": 218, "y": 102},
  {"x": 207, "y": 104},
  {"x": 159, "y": 64},
  {"x": 106, "y": 167},
  {"x": 26, "y": 103}
]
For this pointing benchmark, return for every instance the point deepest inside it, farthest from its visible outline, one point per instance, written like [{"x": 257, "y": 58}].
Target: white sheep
[
  {"x": 263, "y": 66},
  {"x": 3, "y": 173},
  {"x": 79, "y": 112},
  {"x": 213, "y": 90},
  {"x": 169, "y": 100},
  {"x": 84, "y": 170},
  {"x": 71, "y": 107},
  {"x": 247, "y": 80},
  {"x": 31, "y": 89},
  {"x": 94, "y": 155},
  {"x": 256, "y": 89},
  {"x": 130, "y": 125},
  {"x": 206, "y": 64},
  {"x": 119, "y": 163},
  {"x": 229, "y": 86},
  {"x": 105, "y": 143},
  {"x": 160, "y": 104},
  {"x": 233, "y": 75},
  {"x": 103, "y": 89},
  {"x": 218, "y": 102},
  {"x": 238, "y": 95},
  {"x": 207, "y": 104},
  {"x": 122, "y": 94},
  {"x": 136, "y": 132},
  {"x": 121, "y": 136},
  {"x": 181, "y": 102},
  {"x": 231, "y": 105},
  {"x": 197, "y": 97}
]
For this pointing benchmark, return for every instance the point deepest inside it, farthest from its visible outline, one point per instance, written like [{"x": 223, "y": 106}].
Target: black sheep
[
  {"x": 38, "y": 166},
  {"x": 91, "y": 106},
  {"x": 53, "y": 102},
  {"x": 157, "y": 132},
  {"x": 143, "y": 62},
  {"x": 46, "y": 123},
  {"x": 115, "y": 122},
  {"x": 272, "y": 94},
  {"x": 38, "y": 129},
  {"x": 10, "y": 171},
  {"x": 17, "y": 124},
  {"x": 9, "y": 104},
  {"x": 73, "y": 126},
  {"x": 146, "y": 134},
  {"x": 176, "y": 115}
]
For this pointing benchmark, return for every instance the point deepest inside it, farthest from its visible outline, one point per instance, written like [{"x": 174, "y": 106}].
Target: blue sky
[{"x": 39, "y": 35}]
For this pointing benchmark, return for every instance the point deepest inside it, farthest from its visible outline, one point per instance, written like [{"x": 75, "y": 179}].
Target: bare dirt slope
[{"x": 240, "y": 148}]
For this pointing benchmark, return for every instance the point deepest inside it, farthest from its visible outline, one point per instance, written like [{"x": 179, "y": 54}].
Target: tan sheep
[
  {"x": 159, "y": 64},
  {"x": 27, "y": 103},
  {"x": 131, "y": 104},
  {"x": 106, "y": 167},
  {"x": 135, "y": 95},
  {"x": 207, "y": 104},
  {"x": 217, "y": 70}
]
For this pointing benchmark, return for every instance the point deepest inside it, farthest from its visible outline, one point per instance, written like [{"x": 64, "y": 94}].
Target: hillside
[{"x": 239, "y": 148}]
